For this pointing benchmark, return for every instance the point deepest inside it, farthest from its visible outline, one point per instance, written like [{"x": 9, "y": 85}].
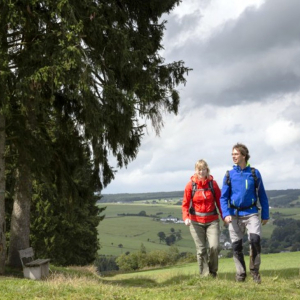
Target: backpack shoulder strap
[
  {"x": 255, "y": 180},
  {"x": 211, "y": 186},
  {"x": 194, "y": 188},
  {"x": 255, "y": 177},
  {"x": 228, "y": 178}
]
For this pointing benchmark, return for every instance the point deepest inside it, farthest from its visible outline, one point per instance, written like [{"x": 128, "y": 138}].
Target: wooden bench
[{"x": 33, "y": 268}]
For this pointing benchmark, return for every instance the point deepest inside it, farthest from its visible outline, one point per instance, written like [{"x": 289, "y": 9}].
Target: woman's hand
[{"x": 187, "y": 222}]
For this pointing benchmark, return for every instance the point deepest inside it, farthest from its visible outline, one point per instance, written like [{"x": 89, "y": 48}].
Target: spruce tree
[
  {"x": 2, "y": 194},
  {"x": 97, "y": 65},
  {"x": 65, "y": 215}
]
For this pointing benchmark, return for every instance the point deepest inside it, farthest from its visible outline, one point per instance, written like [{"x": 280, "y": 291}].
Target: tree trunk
[
  {"x": 20, "y": 219},
  {"x": 2, "y": 195}
]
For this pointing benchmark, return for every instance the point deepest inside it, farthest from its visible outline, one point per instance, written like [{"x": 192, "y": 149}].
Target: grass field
[
  {"x": 289, "y": 212},
  {"x": 131, "y": 231},
  {"x": 280, "y": 280}
]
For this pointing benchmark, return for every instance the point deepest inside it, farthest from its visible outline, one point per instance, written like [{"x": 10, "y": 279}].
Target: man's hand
[
  {"x": 228, "y": 219},
  {"x": 187, "y": 222},
  {"x": 264, "y": 222}
]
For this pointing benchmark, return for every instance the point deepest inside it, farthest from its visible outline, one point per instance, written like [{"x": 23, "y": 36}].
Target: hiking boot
[
  {"x": 240, "y": 278},
  {"x": 256, "y": 278}
]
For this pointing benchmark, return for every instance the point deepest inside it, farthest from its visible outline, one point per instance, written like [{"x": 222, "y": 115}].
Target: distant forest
[{"x": 277, "y": 198}]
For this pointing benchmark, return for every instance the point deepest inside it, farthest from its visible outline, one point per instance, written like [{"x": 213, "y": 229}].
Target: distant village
[{"x": 226, "y": 245}]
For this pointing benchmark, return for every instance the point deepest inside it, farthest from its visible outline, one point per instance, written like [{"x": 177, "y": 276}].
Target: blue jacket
[{"x": 241, "y": 193}]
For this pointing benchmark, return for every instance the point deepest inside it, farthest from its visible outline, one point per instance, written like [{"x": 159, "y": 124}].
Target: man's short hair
[{"x": 243, "y": 150}]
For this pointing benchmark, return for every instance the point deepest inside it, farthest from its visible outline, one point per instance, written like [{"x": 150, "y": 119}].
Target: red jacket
[{"x": 203, "y": 201}]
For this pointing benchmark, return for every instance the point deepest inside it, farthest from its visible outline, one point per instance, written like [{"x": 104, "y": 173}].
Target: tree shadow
[
  {"x": 287, "y": 273},
  {"x": 13, "y": 272},
  {"x": 192, "y": 279}
]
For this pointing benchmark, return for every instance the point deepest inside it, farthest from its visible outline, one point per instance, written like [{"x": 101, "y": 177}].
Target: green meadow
[
  {"x": 280, "y": 280},
  {"x": 280, "y": 272},
  {"x": 132, "y": 231},
  {"x": 289, "y": 212}
]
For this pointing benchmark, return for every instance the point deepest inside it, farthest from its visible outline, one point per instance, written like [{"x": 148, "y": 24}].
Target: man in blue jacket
[{"x": 242, "y": 187}]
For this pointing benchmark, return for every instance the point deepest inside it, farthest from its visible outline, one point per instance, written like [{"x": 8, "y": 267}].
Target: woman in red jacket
[{"x": 201, "y": 197}]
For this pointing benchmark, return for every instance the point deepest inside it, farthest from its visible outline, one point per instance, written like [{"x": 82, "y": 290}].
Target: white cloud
[
  {"x": 244, "y": 87},
  {"x": 166, "y": 163},
  {"x": 282, "y": 134}
]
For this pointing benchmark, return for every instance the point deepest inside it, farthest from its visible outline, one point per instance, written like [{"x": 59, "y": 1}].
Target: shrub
[
  {"x": 105, "y": 263},
  {"x": 127, "y": 262},
  {"x": 142, "y": 259}
]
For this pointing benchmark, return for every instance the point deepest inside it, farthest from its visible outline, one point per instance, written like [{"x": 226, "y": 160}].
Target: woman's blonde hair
[{"x": 202, "y": 164}]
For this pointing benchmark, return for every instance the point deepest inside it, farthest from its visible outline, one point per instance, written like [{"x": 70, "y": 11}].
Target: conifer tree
[
  {"x": 97, "y": 64},
  {"x": 65, "y": 216},
  {"x": 3, "y": 112},
  {"x": 2, "y": 194}
]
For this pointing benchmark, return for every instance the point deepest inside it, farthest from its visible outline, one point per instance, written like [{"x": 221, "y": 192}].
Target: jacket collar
[
  {"x": 195, "y": 179},
  {"x": 239, "y": 169}
]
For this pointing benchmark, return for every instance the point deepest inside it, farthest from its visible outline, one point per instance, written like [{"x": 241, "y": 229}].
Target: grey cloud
[
  {"x": 292, "y": 113},
  {"x": 247, "y": 60},
  {"x": 262, "y": 85},
  {"x": 180, "y": 27},
  {"x": 236, "y": 128},
  {"x": 254, "y": 58},
  {"x": 184, "y": 26},
  {"x": 272, "y": 25}
]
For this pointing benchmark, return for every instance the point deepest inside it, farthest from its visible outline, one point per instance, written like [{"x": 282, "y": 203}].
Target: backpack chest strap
[{"x": 200, "y": 214}]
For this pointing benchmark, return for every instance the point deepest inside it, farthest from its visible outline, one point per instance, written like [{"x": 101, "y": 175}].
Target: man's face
[{"x": 237, "y": 157}]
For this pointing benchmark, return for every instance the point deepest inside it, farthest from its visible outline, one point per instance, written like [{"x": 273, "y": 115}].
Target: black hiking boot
[
  {"x": 256, "y": 278},
  {"x": 240, "y": 278}
]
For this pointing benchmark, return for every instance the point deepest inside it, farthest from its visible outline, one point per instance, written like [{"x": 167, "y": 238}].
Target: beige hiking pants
[{"x": 206, "y": 238}]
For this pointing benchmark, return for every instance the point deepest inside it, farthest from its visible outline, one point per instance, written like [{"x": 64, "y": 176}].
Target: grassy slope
[
  {"x": 132, "y": 231},
  {"x": 280, "y": 275}
]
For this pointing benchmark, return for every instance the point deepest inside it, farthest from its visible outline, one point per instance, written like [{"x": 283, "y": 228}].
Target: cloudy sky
[{"x": 244, "y": 87}]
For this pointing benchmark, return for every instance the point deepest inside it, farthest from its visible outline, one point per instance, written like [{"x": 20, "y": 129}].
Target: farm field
[
  {"x": 132, "y": 231},
  {"x": 289, "y": 212}
]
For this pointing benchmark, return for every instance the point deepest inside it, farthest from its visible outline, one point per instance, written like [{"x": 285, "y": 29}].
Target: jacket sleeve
[
  {"x": 218, "y": 195},
  {"x": 225, "y": 197},
  {"x": 187, "y": 195},
  {"x": 263, "y": 198}
]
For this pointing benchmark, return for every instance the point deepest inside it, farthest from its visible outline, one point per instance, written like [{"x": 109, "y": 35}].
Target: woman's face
[{"x": 202, "y": 173}]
